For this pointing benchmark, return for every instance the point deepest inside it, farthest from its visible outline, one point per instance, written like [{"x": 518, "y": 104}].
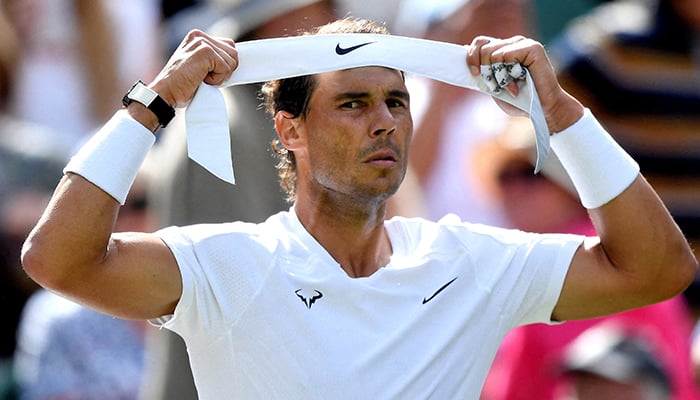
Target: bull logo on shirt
[{"x": 310, "y": 300}]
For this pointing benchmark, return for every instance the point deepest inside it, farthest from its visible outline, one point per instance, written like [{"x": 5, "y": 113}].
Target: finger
[
  {"x": 516, "y": 70},
  {"x": 227, "y": 49},
  {"x": 514, "y": 50},
  {"x": 224, "y": 62},
  {"x": 474, "y": 61},
  {"x": 505, "y": 63},
  {"x": 501, "y": 74},
  {"x": 220, "y": 56},
  {"x": 512, "y": 88},
  {"x": 493, "y": 70},
  {"x": 489, "y": 78}
]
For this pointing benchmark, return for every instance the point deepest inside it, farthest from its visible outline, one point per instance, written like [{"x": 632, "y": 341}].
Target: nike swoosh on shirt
[
  {"x": 342, "y": 51},
  {"x": 427, "y": 299}
]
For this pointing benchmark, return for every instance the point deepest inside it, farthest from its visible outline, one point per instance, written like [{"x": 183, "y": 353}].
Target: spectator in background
[
  {"x": 525, "y": 367},
  {"x": 607, "y": 362},
  {"x": 69, "y": 352},
  {"x": 185, "y": 193},
  {"x": 77, "y": 55},
  {"x": 503, "y": 167}
]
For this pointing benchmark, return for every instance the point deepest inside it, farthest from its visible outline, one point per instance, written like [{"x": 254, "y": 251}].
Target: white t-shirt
[{"x": 267, "y": 313}]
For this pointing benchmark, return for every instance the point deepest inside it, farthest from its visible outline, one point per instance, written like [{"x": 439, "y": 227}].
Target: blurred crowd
[{"x": 64, "y": 65}]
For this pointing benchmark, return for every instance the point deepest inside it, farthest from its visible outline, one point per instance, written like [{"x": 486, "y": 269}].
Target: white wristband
[
  {"x": 599, "y": 168},
  {"x": 113, "y": 156}
]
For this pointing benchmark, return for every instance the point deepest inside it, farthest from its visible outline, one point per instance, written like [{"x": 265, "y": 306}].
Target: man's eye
[
  {"x": 395, "y": 103},
  {"x": 351, "y": 104}
]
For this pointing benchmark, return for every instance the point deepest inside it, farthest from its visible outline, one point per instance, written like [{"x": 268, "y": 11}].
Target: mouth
[{"x": 382, "y": 158}]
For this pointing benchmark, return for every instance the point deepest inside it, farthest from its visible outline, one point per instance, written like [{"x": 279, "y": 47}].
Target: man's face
[{"x": 356, "y": 134}]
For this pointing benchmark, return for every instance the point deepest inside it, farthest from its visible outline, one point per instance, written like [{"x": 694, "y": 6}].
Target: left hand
[{"x": 560, "y": 109}]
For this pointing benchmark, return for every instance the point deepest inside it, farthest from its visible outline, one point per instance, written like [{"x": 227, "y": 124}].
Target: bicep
[
  {"x": 138, "y": 279},
  {"x": 594, "y": 287}
]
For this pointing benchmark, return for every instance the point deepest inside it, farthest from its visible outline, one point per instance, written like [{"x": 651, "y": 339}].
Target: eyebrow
[{"x": 402, "y": 94}]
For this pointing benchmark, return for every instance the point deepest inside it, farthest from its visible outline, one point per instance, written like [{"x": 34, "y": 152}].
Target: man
[{"x": 329, "y": 300}]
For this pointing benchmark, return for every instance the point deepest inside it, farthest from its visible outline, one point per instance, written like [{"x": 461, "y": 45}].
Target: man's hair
[{"x": 292, "y": 95}]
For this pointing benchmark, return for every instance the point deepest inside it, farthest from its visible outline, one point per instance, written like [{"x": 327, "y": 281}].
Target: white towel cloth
[{"x": 262, "y": 60}]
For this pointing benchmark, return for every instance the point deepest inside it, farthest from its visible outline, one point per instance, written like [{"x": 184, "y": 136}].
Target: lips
[
  {"x": 382, "y": 158},
  {"x": 383, "y": 155}
]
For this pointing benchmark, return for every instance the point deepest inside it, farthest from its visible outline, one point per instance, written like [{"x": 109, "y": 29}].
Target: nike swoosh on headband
[
  {"x": 343, "y": 51},
  {"x": 206, "y": 121}
]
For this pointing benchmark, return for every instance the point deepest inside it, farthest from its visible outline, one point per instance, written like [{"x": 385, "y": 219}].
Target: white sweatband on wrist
[
  {"x": 113, "y": 156},
  {"x": 599, "y": 168}
]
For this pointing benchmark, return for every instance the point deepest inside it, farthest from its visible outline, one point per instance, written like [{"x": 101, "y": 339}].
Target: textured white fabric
[
  {"x": 267, "y": 313},
  {"x": 599, "y": 168},
  {"x": 263, "y": 60},
  {"x": 113, "y": 156}
]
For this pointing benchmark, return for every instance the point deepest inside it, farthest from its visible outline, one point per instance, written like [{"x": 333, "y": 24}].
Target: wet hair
[{"x": 293, "y": 94}]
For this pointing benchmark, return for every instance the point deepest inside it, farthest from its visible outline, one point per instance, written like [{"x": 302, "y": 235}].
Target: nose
[{"x": 384, "y": 122}]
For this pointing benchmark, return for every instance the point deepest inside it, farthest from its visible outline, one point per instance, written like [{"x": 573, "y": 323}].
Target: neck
[{"x": 353, "y": 234}]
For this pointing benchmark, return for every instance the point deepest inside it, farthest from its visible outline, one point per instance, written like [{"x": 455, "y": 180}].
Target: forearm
[
  {"x": 639, "y": 241},
  {"x": 640, "y": 238}
]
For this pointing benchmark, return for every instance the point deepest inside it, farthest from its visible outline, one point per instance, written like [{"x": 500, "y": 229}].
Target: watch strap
[{"x": 143, "y": 94}]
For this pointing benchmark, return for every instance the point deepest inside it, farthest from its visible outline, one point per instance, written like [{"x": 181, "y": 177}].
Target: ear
[{"x": 288, "y": 130}]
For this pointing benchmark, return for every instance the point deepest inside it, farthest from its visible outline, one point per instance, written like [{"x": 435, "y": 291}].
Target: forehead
[{"x": 368, "y": 80}]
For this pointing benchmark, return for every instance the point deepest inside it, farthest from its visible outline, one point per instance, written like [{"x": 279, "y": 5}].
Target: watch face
[{"x": 146, "y": 96}]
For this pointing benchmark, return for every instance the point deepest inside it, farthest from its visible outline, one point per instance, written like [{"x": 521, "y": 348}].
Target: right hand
[{"x": 199, "y": 58}]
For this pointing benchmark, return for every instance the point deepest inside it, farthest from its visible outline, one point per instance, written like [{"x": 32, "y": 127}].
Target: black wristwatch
[{"x": 144, "y": 95}]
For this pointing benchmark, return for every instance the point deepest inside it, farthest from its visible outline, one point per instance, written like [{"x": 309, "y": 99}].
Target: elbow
[
  {"x": 40, "y": 266},
  {"x": 33, "y": 263},
  {"x": 678, "y": 273},
  {"x": 58, "y": 267},
  {"x": 686, "y": 266},
  {"x": 688, "y": 271}
]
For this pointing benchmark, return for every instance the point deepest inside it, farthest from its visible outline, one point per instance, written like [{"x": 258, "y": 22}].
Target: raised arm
[
  {"x": 72, "y": 250},
  {"x": 640, "y": 256}
]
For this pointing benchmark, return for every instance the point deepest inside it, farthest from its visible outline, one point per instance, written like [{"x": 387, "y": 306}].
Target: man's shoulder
[
  {"x": 450, "y": 229},
  {"x": 238, "y": 230}
]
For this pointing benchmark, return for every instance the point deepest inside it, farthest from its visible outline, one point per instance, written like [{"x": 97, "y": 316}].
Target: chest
[{"x": 399, "y": 320}]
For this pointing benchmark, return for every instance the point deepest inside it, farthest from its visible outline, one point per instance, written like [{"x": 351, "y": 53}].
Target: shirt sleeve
[{"x": 524, "y": 271}]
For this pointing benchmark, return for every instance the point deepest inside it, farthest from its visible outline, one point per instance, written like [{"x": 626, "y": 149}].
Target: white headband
[{"x": 208, "y": 139}]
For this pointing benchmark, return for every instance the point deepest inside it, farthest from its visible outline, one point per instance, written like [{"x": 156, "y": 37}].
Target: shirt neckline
[{"x": 395, "y": 234}]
